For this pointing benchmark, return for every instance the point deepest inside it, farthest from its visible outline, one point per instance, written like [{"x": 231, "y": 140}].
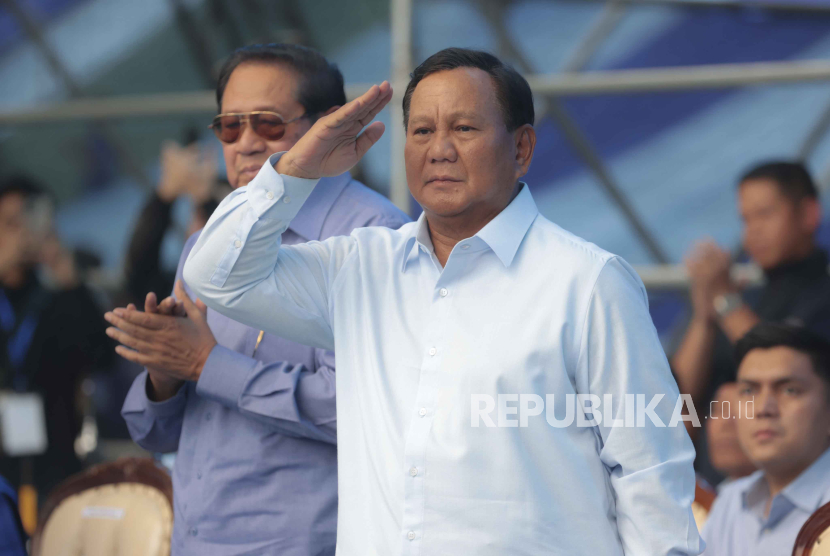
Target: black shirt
[
  {"x": 68, "y": 341},
  {"x": 142, "y": 267},
  {"x": 796, "y": 292}
]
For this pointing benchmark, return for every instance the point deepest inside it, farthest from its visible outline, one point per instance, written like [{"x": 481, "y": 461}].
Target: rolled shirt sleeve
[
  {"x": 155, "y": 426},
  {"x": 650, "y": 466},
  {"x": 291, "y": 398}
]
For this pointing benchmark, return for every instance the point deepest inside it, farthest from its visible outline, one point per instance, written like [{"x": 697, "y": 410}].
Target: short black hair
[
  {"x": 321, "y": 83},
  {"x": 793, "y": 179},
  {"x": 767, "y": 335},
  {"x": 21, "y": 185},
  {"x": 512, "y": 90}
]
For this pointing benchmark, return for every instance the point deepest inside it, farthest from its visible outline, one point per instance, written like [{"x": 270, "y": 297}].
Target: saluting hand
[{"x": 334, "y": 143}]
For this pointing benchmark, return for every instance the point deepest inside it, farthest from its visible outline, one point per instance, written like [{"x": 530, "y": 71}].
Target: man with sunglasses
[{"x": 254, "y": 419}]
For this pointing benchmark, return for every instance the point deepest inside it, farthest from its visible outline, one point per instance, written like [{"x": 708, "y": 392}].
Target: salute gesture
[{"x": 334, "y": 143}]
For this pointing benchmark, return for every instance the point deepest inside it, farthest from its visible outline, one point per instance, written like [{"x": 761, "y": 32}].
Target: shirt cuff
[
  {"x": 224, "y": 376},
  {"x": 277, "y": 196},
  {"x": 138, "y": 400}
]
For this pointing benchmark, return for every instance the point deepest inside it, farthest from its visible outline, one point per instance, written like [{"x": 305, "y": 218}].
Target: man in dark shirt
[
  {"x": 185, "y": 171},
  {"x": 49, "y": 336},
  {"x": 781, "y": 212}
]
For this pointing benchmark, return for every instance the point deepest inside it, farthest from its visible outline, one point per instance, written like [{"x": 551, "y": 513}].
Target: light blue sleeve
[
  {"x": 155, "y": 426},
  {"x": 290, "y": 398},
  {"x": 650, "y": 467},
  {"x": 239, "y": 268}
]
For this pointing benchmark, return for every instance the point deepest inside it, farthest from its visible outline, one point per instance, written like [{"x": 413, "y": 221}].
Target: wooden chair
[
  {"x": 123, "y": 508},
  {"x": 814, "y": 537}
]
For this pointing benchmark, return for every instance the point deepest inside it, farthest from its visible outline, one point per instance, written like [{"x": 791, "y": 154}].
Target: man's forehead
[
  {"x": 260, "y": 86},
  {"x": 774, "y": 365},
  {"x": 11, "y": 202},
  {"x": 760, "y": 191},
  {"x": 455, "y": 89}
]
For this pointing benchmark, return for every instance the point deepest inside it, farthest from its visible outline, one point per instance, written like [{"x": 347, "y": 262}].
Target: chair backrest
[
  {"x": 814, "y": 537},
  {"x": 123, "y": 508},
  {"x": 704, "y": 498}
]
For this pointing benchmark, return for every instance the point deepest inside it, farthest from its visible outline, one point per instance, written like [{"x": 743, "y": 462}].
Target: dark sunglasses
[{"x": 268, "y": 125}]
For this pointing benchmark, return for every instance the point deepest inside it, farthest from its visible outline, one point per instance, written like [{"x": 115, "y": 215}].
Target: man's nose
[
  {"x": 766, "y": 404},
  {"x": 249, "y": 142},
  {"x": 441, "y": 148}
]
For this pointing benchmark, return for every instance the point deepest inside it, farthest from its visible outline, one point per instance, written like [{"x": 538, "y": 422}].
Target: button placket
[{"x": 420, "y": 426}]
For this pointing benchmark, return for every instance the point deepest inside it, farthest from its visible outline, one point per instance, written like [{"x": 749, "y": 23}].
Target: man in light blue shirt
[
  {"x": 451, "y": 332},
  {"x": 783, "y": 418},
  {"x": 252, "y": 415}
]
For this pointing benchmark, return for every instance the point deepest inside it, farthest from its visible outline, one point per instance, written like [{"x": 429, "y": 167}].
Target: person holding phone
[{"x": 50, "y": 331}]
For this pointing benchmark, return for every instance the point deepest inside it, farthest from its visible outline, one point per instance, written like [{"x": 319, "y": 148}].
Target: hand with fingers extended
[
  {"x": 335, "y": 142},
  {"x": 172, "y": 339}
]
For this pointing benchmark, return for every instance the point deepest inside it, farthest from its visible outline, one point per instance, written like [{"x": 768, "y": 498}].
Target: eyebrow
[
  {"x": 258, "y": 109},
  {"x": 777, "y": 382},
  {"x": 463, "y": 114}
]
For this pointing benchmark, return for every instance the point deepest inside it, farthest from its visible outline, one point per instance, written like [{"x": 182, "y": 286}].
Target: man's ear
[
  {"x": 810, "y": 214},
  {"x": 525, "y": 140}
]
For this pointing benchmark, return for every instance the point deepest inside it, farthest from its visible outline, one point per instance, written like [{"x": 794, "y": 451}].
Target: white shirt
[{"x": 523, "y": 307}]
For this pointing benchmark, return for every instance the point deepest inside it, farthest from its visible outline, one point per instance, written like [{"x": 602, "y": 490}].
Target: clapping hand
[
  {"x": 172, "y": 339},
  {"x": 708, "y": 267}
]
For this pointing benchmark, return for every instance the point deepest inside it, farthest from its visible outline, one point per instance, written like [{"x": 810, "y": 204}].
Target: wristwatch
[{"x": 726, "y": 303}]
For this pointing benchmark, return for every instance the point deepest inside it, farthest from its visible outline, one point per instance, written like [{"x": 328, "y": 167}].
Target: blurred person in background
[
  {"x": 50, "y": 327},
  {"x": 252, "y": 415},
  {"x": 725, "y": 452},
  {"x": 185, "y": 171},
  {"x": 784, "y": 428},
  {"x": 780, "y": 213}
]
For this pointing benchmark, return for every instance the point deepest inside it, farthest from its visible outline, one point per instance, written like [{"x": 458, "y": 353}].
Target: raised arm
[{"x": 238, "y": 266}]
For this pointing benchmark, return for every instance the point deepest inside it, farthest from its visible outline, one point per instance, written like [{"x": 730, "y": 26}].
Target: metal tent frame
[{"x": 572, "y": 81}]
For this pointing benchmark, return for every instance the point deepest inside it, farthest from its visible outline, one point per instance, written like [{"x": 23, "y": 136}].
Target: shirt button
[
  {"x": 411, "y": 535},
  {"x": 199, "y": 476},
  {"x": 465, "y": 246},
  {"x": 444, "y": 292},
  {"x": 413, "y": 471},
  {"x": 286, "y": 199},
  {"x": 208, "y": 417},
  {"x": 422, "y": 411},
  {"x": 433, "y": 351},
  {"x": 237, "y": 244},
  {"x": 194, "y": 532},
  {"x": 269, "y": 195}
]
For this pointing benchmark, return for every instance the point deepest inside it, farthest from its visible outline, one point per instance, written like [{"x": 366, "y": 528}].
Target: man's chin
[
  {"x": 244, "y": 179},
  {"x": 769, "y": 454},
  {"x": 445, "y": 207}
]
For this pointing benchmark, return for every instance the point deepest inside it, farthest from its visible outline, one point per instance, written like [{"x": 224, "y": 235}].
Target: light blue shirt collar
[
  {"x": 503, "y": 234},
  {"x": 801, "y": 493}
]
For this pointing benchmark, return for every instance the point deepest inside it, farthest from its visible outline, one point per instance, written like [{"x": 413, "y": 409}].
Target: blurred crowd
[{"x": 52, "y": 339}]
